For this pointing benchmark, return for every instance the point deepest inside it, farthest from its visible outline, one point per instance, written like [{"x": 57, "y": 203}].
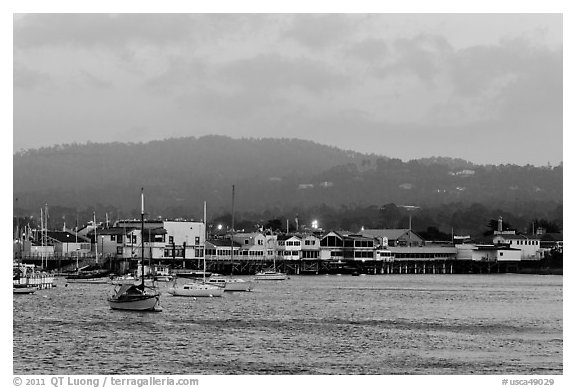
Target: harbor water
[{"x": 379, "y": 324}]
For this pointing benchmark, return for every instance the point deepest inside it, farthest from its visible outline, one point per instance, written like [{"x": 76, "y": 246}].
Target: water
[{"x": 387, "y": 324}]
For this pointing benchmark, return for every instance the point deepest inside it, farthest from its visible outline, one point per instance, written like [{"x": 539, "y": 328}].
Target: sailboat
[
  {"x": 271, "y": 274},
  {"x": 136, "y": 297},
  {"x": 197, "y": 289},
  {"x": 230, "y": 283}
]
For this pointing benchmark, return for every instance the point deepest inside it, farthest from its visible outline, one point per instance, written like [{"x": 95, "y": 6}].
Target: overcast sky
[{"x": 483, "y": 87}]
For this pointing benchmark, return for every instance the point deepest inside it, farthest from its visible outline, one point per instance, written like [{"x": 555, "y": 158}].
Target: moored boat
[
  {"x": 194, "y": 289},
  {"x": 23, "y": 289},
  {"x": 231, "y": 284},
  {"x": 270, "y": 275},
  {"x": 25, "y": 275},
  {"x": 135, "y": 297}
]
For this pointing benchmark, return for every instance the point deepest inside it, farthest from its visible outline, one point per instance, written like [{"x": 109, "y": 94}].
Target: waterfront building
[
  {"x": 221, "y": 249},
  {"x": 528, "y": 244},
  {"x": 487, "y": 253},
  {"x": 395, "y": 237},
  {"x": 253, "y": 245},
  {"x": 310, "y": 247},
  {"x": 66, "y": 243},
  {"x": 289, "y": 247},
  {"x": 346, "y": 245}
]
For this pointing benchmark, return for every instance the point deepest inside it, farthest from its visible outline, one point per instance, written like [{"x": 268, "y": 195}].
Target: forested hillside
[{"x": 273, "y": 177}]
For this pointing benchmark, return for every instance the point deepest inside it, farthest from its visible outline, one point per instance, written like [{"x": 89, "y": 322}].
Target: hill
[{"x": 273, "y": 175}]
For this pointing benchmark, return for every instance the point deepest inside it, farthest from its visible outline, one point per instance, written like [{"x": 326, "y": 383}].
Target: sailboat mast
[
  {"x": 18, "y": 234},
  {"x": 142, "y": 234},
  {"x": 204, "y": 256},
  {"x": 95, "y": 236},
  {"x": 232, "y": 236}
]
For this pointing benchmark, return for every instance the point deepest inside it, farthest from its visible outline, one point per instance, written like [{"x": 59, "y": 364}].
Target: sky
[{"x": 483, "y": 87}]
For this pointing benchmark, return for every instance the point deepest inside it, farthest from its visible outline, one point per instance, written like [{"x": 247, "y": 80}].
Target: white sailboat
[
  {"x": 196, "y": 289},
  {"x": 271, "y": 274},
  {"x": 136, "y": 297},
  {"x": 231, "y": 283}
]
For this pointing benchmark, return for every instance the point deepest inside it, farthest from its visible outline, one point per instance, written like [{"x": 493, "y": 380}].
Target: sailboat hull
[
  {"x": 198, "y": 291},
  {"x": 145, "y": 303},
  {"x": 231, "y": 284},
  {"x": 24, "y": 290},
  {"x": 270, "y": 276}
]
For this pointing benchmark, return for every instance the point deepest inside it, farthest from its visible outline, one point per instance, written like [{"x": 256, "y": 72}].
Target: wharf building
[{"x": 182, "y": 244}]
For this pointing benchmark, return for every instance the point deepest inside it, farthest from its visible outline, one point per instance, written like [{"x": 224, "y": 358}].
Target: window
[
  {"x": 196, "y": 240},
  {"x": 112, "y": 237},
  {"x": 170, "y": 239},
  {"x": 246, "y": 241},
  {"x": 119, "y": 239},
  {"x": 119, "y": 250},
  {"x": 501, "y": 253}
]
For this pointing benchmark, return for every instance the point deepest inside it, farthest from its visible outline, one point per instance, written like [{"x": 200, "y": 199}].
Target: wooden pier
[{"x": 250, "y": 266}]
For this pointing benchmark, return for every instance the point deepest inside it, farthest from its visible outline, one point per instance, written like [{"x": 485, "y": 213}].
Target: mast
[
  {"x": 232, "y": 236},
  {"x": 142, "y": 233},
  {"x": 204, "y": 256},
  {"x": 95, "y": 236},
  {"x": 18, "y": 234},
  {"x": 42, "y": 237}
]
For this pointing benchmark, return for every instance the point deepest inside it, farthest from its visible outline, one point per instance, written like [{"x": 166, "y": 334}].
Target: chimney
[{"x": 500, "y": 224}]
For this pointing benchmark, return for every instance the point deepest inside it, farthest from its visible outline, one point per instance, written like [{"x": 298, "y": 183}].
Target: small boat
[
  {"x": 196, "y": 290},
  {"x": 270, "y": 275},
  {"x": 124, "y": 279},
  {"x": 194, "y": 274},
  {"x": 89, "y": 277},
  {"x": 135, "y": 298},
  {"x": 231, "y": 284},
  {"x": 25, "y": 275},
  {"x": 23, "y": 289}
]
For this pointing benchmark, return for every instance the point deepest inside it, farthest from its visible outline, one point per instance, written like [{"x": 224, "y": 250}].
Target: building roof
[
  {"x": 223, "y": 243},
  {"x": 285, "y": 237},
  {"x": 66, "y": 237},
  {"x": 520, "y": 236},
  {"x": 489, "y": 247},
  {"x": 115, "y": 230},
  {"x": 390, "y": 234},
  {"x": 247, "y": 235}
]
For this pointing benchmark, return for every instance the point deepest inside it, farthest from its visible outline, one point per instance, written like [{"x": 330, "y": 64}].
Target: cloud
[
  {"x": 26, "y": 78},
  {"x": 320, "y": 31},
  {"x": 423, "y": 56},
  {"x": 274, "y": 72},
  {"x": 370, "y": 50},
  {"x": 88, "y": 30}
]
